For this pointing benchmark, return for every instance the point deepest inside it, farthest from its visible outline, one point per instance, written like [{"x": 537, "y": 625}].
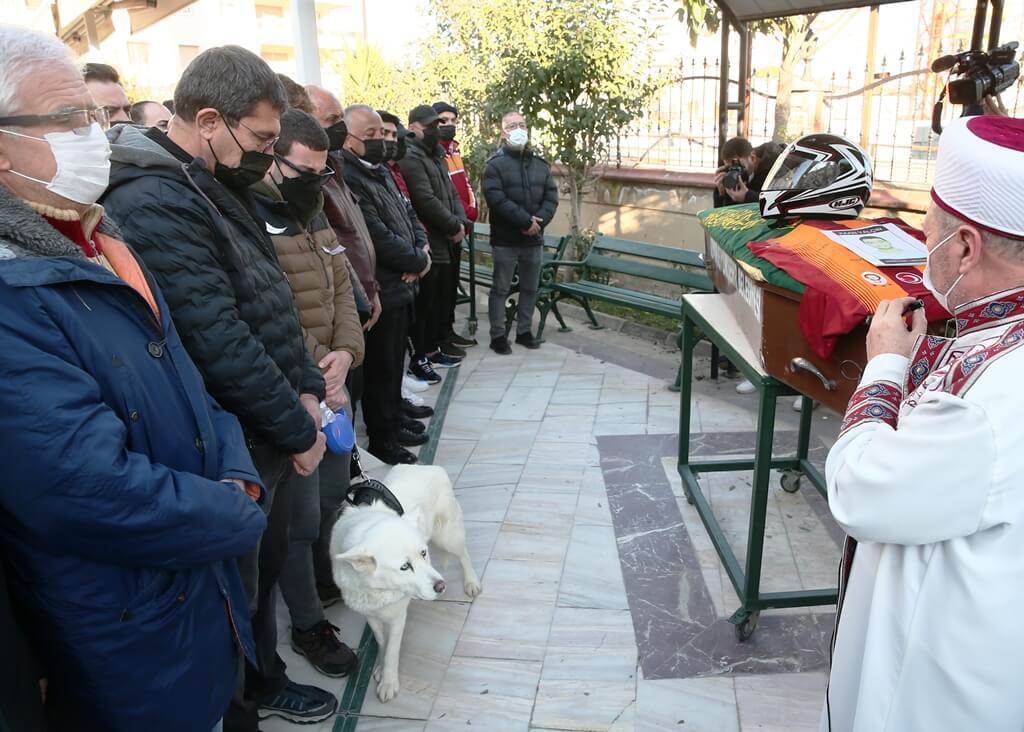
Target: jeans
[
  {"x": 315, "y": 507},
  {"x": 506, "y": 259}
]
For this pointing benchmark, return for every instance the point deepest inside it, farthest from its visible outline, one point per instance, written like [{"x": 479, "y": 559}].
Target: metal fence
[{"x": 889, "y": 114}]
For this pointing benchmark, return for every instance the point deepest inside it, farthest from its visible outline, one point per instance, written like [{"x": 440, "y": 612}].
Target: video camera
[{"x": 982, "y": 74}]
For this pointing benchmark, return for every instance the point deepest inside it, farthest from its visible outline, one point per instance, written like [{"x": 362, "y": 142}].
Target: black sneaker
[
  {"x": 407, "y": 438},
  {"x": 392, "y": 453},
  {"x": 329, "y": 594},
  {"x": 456, "y": 340},
  {"x": 500, "y": 345},
  {"x": 411, "y": 410},
  {"x": 413, "y": 425},
  {"x": 299, "y": 703},
  {"x": 444, "y": 361},
  {"x": 527, "y": 340},
  {"x": 423, "y": 371},
  {"x": 450, "y": 349},
  {"x": 324, "y": 650}
]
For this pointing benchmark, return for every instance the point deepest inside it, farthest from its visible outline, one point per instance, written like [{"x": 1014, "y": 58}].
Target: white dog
[{"x": 381, "y": 559}]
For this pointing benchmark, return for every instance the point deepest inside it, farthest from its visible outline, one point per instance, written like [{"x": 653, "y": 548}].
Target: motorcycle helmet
[{"x": 818, "y": 176}]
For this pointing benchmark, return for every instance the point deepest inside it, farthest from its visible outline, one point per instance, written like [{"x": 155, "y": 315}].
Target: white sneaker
[
  {"x": 413, "y": 384},
  {"x": 413, "y": 398},
  {"x": 745, "y": 387},
  {"x": 798, "y": 405}
]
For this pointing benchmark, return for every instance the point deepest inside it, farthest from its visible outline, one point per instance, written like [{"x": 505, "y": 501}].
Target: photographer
[{"x": 734, "y": 175}]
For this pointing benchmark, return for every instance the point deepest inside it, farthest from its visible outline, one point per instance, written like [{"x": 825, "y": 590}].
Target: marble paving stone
[
  {"x": 452, "y": 455},
  {"x": 483, "y": 474},
  {"x": 465, "y": 429},
  {"x": 635, "y": 412},
  {"x": 592, "y": 507},
  {"x": 695, "y": 705},
  {"x": 718, "y": 415},
  {"x": 480, "y": 538},
  {"x": 570, "y": 453},
  {"x": 580, "y": 381},
  {"x": 432, "y": 632},
  {"x": 575, "y": 396},
  {"x": 574, "y": 428},
  {"x": 781, "y": 702},
  {"x": 622, "y": 395},
  {"x": 506, "y": 442},
  {"x": 531, "y": 543},
  {"x": 535, "y": 377},
  {"x": 592, "y": 576},
  {"x": 276, "y": 724},
  {"x": 497, "y": 628},
  {"x": 551, "y": 477},
  {"x": 469, "y": 410},
  {"x": 487, "y": 694},
  {"x": 665, "y": 421},
  {"x": 662, "y": 396},
  {"x": 606, "y": 428},
  {"x": 518, "y": 581},
  {"x": 589, "y": 677},
  {"x": 485, "y": 502},
  {"x": 472, "y": 394},
  {"x": 542, "y": 509},
  {"x": 523, "y": 403},
  {"x": 372, "y": 724},
  {"x": 572, "y": 410}
]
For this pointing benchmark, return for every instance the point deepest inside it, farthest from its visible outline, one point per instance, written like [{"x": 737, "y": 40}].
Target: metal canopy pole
[{"x": 723, "y": 90}]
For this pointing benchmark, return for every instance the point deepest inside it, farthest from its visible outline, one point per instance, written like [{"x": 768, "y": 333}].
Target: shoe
[
  {"x": 408, "y": 438},
  {"x": 422, "y": 370},
  {"x": 392, "y": 453},
  {"x": 324, "y": 650},
  {"x": 798, "y": 405},
  {"x": 444, "y": 361},
  {"x": 329, "y": 594},
  {"x": 527, "y": 340},
  {"x": 745, "y": 387},
  {"x": 415, "y": 411},
  {"x": 452, "y": 351},
  {"x": 299, "y": 703},
  {"x": 412, "y": 397},
  {"x": 501, "y": 346},
  {"x": 456, "y": 340},
  {"x": 414, "y": 426},
  {"x": 414, "y": 385}
]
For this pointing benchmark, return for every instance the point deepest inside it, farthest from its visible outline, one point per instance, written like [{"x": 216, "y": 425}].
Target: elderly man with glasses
[
  {"x": 184, "y": 203},
  {"x": 127, "y": 491}
]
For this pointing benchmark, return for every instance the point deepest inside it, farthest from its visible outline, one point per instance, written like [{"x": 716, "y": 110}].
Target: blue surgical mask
[{"x": 941, "y": 297}]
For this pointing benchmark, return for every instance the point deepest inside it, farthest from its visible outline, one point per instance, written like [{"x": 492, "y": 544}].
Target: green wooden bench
[
  {"x": 609, "y": 257},
  {"x": 476, "y": 270}
]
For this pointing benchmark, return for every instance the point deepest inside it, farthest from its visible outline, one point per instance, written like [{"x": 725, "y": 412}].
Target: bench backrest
[
  {"x": 663, "y": 263},
  {"x": 553, "y": 245}
]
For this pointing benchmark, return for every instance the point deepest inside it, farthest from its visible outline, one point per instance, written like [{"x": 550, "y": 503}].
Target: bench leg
[
  {"x": 511, "y": 310},
  {"x": 594, "y": 325},
  {"x": 714, "y": 362},
  {"x": 562, "y": 327}
]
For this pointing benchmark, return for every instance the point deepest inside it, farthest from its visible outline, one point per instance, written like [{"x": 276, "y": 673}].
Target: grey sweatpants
[{"x": 505, "y": 261}]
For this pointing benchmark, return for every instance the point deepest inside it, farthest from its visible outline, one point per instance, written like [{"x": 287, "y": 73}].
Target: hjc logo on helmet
[{"x": 842, "y": 203}]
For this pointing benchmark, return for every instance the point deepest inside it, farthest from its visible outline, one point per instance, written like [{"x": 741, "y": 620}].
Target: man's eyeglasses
[
  {"x": 78, "y": 121},
  {"x": 265, "y": 142},
  {"x": 514, "y": 126},
  {"x": 324, "y": 175}
]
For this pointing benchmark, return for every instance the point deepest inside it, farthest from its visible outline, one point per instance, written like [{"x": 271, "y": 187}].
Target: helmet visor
[{"x": 800, "y": 170}]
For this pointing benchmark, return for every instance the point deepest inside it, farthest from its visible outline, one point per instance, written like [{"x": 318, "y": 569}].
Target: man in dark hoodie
[
  {"x": 183, "y": 202},
  {"x": 439, "y": 208}
]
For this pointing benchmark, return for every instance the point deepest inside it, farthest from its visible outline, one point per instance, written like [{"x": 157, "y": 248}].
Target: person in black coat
[
  {"x": 439, "y": 209},
  {"x": 183, "y": 202},
  {"x": 400, "y": 245},
  {"x": 522, "y": 198}
]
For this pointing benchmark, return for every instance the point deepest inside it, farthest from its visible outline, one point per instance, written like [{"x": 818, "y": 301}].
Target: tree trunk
[
  {"x": 575, "y": 201},
  {"x": 783, "y": 102}
]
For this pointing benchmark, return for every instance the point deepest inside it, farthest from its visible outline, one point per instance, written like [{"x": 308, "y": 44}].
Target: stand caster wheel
[
  {"x": 747, "y": 626},
  {"x": 472, "y": 327},
  {"x": 790, "y": 481}
]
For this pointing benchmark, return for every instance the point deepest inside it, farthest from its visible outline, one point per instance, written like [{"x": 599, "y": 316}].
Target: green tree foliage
[{"x": 369, "y": 78}]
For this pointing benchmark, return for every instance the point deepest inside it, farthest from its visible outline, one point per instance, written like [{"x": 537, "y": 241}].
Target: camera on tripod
[{"x": 982, "y": 74}]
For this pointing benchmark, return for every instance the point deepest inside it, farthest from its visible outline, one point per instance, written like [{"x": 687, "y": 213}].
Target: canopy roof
[{"x": 747, "y": 10}]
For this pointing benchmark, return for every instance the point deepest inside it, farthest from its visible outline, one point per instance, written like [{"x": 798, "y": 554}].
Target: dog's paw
[
  {"x": 376, "y": 672},
  {"x": 387, "y": 688},
  {"x": 472, "y": 589}
]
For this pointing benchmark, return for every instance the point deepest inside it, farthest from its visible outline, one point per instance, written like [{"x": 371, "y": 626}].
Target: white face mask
[
  {"x": 518, "y": 138},
  {"x": 941, "y": 297},
  {"x": 83, "y": 164}
]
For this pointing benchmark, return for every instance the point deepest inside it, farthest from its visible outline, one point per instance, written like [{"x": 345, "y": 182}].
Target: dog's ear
[{"x": 361, "y": 561}]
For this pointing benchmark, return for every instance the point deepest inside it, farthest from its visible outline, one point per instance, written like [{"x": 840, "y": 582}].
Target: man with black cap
[
  {"x": 457, "y": 171},
  {"x": 440, "y": 211}
]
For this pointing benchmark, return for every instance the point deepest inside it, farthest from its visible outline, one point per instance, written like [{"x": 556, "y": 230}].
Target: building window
[
  {"x": 138, "y": 54},
  {"x": 185, "y": 55},
  {"x": 277, "y": 54},
  {"x": 269, "y": 11}
]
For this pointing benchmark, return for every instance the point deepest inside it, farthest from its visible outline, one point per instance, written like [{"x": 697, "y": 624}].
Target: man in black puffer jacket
[
  {"x": 439, "y": 208},
  {"x": 522, "y": 197},
  {"x": 183, "y": 203},
  {"x": 399, "y": 242}
]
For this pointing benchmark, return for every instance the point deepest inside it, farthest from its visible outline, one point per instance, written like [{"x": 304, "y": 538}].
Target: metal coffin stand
[{"x": 712, "y": 317}]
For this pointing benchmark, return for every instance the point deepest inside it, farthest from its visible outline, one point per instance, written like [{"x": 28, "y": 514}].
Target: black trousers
[
  {"x": 383, "y": 368},
  {"x": 260, "y": 571},
  {"x": 423, "y": 330},
  {"x": 453, "y": 287}
]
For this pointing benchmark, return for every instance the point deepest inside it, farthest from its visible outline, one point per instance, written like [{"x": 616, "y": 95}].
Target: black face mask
[
  {"x": 446, "y": 132},
  {"x": 400, "y": 148},
  {"x": 390, "y": 148},
  {"x": 336, "y": 134},
  {"x": 251, "y": 169},
  {"x": 373, "y": 151},
  {"x": 303, "y": 195},
  {"x": 430, "y": 137}
]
